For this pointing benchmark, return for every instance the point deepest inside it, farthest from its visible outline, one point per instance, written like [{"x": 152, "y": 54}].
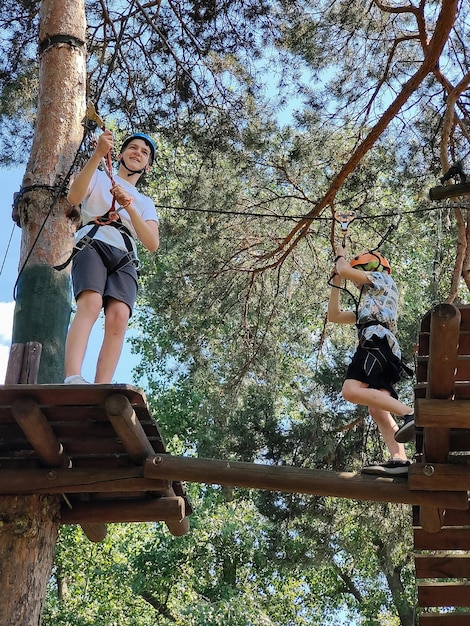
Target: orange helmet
[{"x": 371, "y": 262}]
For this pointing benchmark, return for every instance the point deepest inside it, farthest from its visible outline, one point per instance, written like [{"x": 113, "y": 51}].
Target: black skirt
[{"x": 375, "y": 364}]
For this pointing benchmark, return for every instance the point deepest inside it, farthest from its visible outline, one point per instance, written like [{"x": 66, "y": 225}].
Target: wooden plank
[
  {"x": 445, "y": 539},
  {"x": 457, "y": 518},
  {"x": 295, "y": 480},
  {"x": 439, "y": 476},
  {"x": 31, "y": 358},
  {"x": 452, "y": 517},
  {"x": 461, "y": 372},
  {"x": 445, "y": 594},
  {"x": 70, "y": 395},
  {"x": 463, "y": 368},
  {"x": 76, "y": 480},
  {"x": 438, "y": 413},
  {"x": 444, "y": 619},
  {"x": 462, "y": 390},
  {"x": 443, "y": 566},
  {"x": 431, "y": 518},
  {"x": 15, "y": 363},
  {"x": 155, "y": 510},
  {"x": 38, "y": 431}
]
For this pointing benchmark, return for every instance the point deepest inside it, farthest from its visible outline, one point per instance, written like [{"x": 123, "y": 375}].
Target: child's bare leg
[
  {"x": 115, "y": 326},
  {"x": 387, "y": 427},
  {"x": 358, "y": 392},
  {"x": 89, "y": 305}
]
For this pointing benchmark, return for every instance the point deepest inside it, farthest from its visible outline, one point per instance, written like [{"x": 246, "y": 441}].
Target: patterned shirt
[{"x": 380, "y": 304}]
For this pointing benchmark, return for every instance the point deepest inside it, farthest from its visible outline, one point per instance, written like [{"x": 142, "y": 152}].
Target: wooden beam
[
  {"x": 439, "y": 476},
  {"x": 296, "y": 480},
  {"x": 128, "y": 428},
  {"x": 78, "y": 480},
  {"x": 39, "y": 433},
  {"x": 444, "y": 594},
  {"x": 94, "y": 532},
  {"x": 442, "y": 566},
  {"x": 437, "y": 413},
  {"x": 154, "y": 510},
  {"x": 444, "y": 619}
]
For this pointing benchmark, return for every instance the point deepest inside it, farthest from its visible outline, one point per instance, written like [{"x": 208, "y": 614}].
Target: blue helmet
[{"x": 148, "y": 140}]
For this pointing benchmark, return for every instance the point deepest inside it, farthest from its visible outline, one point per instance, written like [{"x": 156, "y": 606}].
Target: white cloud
[{"x": 6, "y": 326}]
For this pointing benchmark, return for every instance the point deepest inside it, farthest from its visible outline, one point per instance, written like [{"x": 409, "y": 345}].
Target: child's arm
[
  {"x": 335, "y": 314},
  {"x": 345, "y": 270},
  {"x": 81, "y": 182}
]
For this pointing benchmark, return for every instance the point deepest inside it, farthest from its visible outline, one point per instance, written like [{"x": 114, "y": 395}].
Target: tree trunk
[
  {"x": 43, "y": 294},
  {"x": 28, "y": 533},
  {"x": 29, "y": 524}
]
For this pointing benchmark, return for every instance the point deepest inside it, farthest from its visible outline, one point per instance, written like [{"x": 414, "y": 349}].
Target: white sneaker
[{"x": 76, "y": 380}]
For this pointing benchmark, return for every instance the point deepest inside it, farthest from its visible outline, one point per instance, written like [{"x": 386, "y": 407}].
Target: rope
[{"x": 7, "y": 249}]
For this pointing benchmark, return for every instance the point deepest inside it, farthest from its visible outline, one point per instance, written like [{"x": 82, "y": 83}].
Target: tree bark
[
  {"x": 43, "y": 294},
  {"x": 28, "y": 534},
  {"x": 29, "y": 524}
]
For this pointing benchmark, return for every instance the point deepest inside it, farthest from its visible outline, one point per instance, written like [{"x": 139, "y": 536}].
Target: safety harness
[
  {"x": 377, "y": 358},
  {"x": 111, "y": 218}
]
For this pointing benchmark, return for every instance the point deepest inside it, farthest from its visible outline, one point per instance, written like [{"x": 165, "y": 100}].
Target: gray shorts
[{"x": 90, "y": 272}]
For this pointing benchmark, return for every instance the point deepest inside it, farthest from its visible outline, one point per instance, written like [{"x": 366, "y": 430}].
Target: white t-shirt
[{"x": 98, "y": 201}]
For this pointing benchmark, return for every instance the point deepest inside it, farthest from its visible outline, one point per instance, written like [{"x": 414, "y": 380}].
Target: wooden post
[
  {"x": 443, "y": 349},
  {"x": 23, "y": 363}
]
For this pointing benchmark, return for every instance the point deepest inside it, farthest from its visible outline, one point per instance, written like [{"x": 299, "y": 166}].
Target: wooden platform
[
  {"x": 89, "y": 444},
  {"x": 442, "y": 411}
]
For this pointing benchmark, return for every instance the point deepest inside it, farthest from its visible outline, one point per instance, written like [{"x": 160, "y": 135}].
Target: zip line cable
[{"x": 295, "y": 217}]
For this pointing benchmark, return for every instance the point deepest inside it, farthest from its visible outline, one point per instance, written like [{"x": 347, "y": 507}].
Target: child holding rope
[
  {"x": 376, "y": 365},
  {"x": 104, "y": 270}
]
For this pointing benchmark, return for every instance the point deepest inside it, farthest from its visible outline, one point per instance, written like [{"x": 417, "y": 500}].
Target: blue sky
[{"x": 10, "y": 239}]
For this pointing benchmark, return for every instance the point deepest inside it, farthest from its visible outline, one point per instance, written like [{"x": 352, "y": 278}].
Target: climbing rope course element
[
  {"x": 345, "y": 219},
  {"x": 452, "y": 190}
]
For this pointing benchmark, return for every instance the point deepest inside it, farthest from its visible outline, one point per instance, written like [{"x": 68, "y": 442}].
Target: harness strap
[
  {"x": 360, "y": 327},
  {"x": 87, "y": 240}
]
